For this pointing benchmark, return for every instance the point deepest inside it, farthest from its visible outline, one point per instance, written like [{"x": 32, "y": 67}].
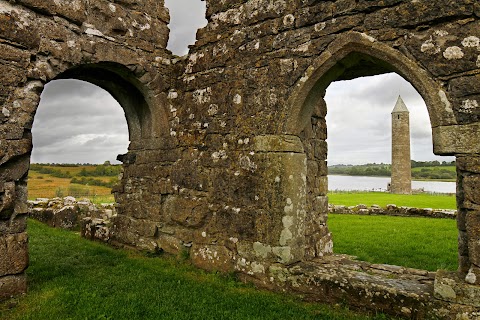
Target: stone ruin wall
[
  {"x": 228, "y": 152},
  {"x": 119, "y": 46},
  {"x": 69, "y": 213},
  {"x": 393, "y": 210}
]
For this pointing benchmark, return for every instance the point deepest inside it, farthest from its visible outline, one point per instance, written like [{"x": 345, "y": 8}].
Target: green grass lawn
[
  {"x": 422, "y": 200},
  {"x": 72, "y": 278},
  {"x": 422, "y": 243}
]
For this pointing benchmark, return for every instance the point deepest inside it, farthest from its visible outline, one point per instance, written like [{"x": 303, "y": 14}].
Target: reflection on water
[{"x": 360, "y": 183}]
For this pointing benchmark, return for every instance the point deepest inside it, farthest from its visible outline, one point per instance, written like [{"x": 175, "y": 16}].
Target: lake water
[{"x": 360, "y": 183}]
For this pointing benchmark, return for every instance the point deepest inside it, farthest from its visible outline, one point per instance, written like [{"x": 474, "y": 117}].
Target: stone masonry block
[
  {"x": 473, "y": 276},
  {"x": 271, "y": 143},
  {"x": 463, "y": 264},
  {"x": 456, "y": 139},
  {"x": 449, "y": 287},
  {"x": 462, "y": 243},
  {"x": 212, "y": 257},
  {"x": 13, "y": 253},
  {"x": 470, "y": 163},
  {"x": 16, "y": 225},
  {"x": 473, "y": 234},
  {"x": 9, "y": 21},
  {"x": 11, "y": 286},
  {"x": 461, "y": 219},
  {"x": 471, "y": 188}
]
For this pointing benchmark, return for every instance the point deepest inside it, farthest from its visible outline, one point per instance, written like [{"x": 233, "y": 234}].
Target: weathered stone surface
[
  {"x": 393, "y": 210},
  {"x": 212, "y": 257},
  {"x": 14, "y": 28},
  {"x": 7, "y": 199},
  {"x": 13, "y": 253},
  {"x": 417, "y": 13},
  {"x": 470, "y": 164},
  {"x": 358, "y": 281},
  {"x": 473, "y": 232},
  {"x": 449, "y": 287},
  {"x": 270, "y": 143},
  {"x": 465, "y": 86},
  {"x": 456, "y": 139},
  {"x": 96, "y": 229},
  {"x": 170, "y": 244},
  {"x": 473, "y": 276},
  {"x": 16, "y": 225},
  {"x": 471, "y": 188},
  {"x": 186, "y": 212},
  {"x": 70, "y": 9},
  {"x": 12, "y": 286}
]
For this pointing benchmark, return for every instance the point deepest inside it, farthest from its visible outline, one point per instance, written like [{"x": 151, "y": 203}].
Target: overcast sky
[{"x": 77, "y": 122}]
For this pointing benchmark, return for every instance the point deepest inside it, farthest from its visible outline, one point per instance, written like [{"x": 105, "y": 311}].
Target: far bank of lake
[{"x": 363, "y": 183}]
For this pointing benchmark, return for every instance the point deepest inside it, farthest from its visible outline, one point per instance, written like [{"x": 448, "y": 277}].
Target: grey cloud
[
  {"x": 70, "y": 109},
  {"x": 186, "y": 17},
  {"x": 385, "y": 88},
  {"x": 69, "y": 89},
  {"x": 95, "y": 150}
]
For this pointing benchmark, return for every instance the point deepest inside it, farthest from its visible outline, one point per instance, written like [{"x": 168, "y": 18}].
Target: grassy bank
[
  {"x": 434, "y": 201},
  {"x": 71, "y": 278},
  {"x": 421, "y": 243}
]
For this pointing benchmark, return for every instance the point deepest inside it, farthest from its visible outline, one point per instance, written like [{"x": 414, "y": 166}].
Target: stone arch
[
  {"x": 121, "y": 83},
  {"x": 350, "y": 56},
  {"x": 341, "y": 61}
]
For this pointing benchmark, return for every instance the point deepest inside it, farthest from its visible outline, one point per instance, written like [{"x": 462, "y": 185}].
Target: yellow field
[{"x": 45, "y": 186}]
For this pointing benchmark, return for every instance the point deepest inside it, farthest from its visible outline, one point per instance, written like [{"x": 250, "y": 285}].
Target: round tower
[{"x": 401, "y": 181}]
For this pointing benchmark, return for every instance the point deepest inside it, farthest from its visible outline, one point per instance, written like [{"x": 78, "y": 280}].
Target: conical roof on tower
[{"x": 400, "y": 106}]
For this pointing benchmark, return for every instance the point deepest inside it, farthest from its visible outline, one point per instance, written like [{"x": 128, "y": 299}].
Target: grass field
[
  {"x": 421, "y": 243},
  {"x": 72, "y": 278},
  {"x": 46, "y": 186},
  {"x": 423, "y": 200}
]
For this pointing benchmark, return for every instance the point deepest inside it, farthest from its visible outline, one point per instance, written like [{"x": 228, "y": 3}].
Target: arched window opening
[
  {"x": 359, "y": 123},
  {"x": 78, "y": 128},
  {"x": 186, "y": 17},
  {"x": 349, "y": 57}
]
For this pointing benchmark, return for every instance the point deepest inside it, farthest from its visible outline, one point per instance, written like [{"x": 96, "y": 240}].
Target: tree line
[{"x": 428, "y": 170}]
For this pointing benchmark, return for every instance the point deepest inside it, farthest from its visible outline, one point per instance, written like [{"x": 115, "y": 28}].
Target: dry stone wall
[
  {"x": 393, "y": 210},
  {"x": 68, "y": 213},
  {"x": 228, "y": 144}
]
